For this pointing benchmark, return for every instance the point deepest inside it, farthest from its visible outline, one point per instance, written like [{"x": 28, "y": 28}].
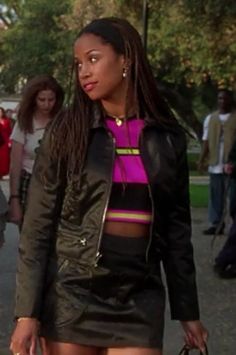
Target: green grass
[
  {"x": 192, "y": 164},
  {"x": 192, "y": 161},
  {"x": 199, "y": 195}
]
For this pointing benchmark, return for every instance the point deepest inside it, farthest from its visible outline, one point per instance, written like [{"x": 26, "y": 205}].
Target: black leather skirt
[{"x": 122, "y": 305}]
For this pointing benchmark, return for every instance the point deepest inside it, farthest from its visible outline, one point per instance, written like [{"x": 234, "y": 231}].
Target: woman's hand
[
  {"x": 24, "y": 337},
  {"x": 15, "y": 211},
  {"x": 195, "y": 334}
]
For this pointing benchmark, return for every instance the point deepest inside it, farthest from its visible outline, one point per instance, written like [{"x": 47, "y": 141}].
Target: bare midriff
[{"x": 125, "y": 229}]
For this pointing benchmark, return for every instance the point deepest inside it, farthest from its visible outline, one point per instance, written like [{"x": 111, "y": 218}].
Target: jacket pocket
[{"x": 65, "y": 299}]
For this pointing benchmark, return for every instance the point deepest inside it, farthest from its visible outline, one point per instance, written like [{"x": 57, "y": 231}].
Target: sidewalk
[{"x": 199, "y": 180}]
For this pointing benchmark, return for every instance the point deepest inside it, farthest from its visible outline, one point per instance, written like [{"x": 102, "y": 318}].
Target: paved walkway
[
  {"x": 199, "y": 180},
  {"x": 217, "y": 297}
]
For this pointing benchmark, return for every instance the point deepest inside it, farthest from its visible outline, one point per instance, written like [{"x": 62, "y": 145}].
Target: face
[
  {"x": 224, "y": 102},
  {"x": 45, "y": 101},
  {"x": 9, "y": 113},
  {"x": 99, "y": 68}
]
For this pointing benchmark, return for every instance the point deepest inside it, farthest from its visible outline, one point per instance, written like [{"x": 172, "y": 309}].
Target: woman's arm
[
  {"x": 178, "y": 260},
  {"x": 15, "y": 211},
  {"x": 40, "y": 220}
]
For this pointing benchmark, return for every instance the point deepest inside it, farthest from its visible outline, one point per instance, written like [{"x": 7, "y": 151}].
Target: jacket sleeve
[
  {"x": 232, "y": 159},
  {"x": 40, "y": 221},
  {"x": 178, "y": 261}
]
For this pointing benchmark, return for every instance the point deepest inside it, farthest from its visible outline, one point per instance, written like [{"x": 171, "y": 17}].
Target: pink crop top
[{"x": 130, "y": 198}]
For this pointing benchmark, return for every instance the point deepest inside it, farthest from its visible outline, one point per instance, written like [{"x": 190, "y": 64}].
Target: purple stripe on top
[{"x": 128, "y": 168}]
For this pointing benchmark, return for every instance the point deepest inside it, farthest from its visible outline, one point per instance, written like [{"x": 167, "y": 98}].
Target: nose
[{"x": 47, "y": 104}]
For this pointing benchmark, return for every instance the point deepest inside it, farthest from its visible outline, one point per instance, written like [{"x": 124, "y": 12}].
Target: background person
[
  {"x": 225, "y": 262},
  {"x": 3, "y": 203},
  {"x": 108, "y": 200},
  {"x": 11, "y": 114},
  {"x": 3, "y": 216},
  {"x": 5, "y": 125},
  {"x": 219, "y": 133},
  {"x": 42, "y": 99}
]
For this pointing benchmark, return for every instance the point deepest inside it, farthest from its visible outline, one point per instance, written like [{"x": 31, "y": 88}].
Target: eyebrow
[{"x": 89, "y": 51}]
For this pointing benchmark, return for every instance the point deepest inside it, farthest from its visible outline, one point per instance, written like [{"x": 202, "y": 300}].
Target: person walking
[
  {"x": 5, "y": 125},
  {"x": 108, "y": 202},
  {"x": 41, "y": 100},
  {"x": 3, "y": 201},
  {"x": 225, "y": 261},
  {"x": 219, "y": 133}
]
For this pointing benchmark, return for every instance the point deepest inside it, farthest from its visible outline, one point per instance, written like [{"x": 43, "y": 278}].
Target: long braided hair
[{"x": 72, "y": 127}]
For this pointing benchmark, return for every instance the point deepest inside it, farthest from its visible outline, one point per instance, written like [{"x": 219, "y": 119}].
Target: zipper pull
[
  {"x": 97, "y": 258},
  {"x": 83, "y": 241}
]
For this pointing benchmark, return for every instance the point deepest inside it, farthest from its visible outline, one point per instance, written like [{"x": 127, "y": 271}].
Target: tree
[
  {"x": 10, "y": 11},
  {"x": 35, "y": 42},
  {"x": 191, "y": 44},
  {"x": 198, "y": 36}
]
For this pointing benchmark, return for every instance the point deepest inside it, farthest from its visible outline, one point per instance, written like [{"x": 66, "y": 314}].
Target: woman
[
  {"x": 108, "y": 200},
  {"x": 41, "y": 101},
  {"x": 10, "y": 115},
  {"x": 3, "y": 202},
  {"x": 5, "y": 125}
]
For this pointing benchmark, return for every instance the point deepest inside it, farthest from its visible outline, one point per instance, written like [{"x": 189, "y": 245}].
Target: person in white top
[
  {"x": 216, "y": 170},
  {"x": 41, "y": 101}
]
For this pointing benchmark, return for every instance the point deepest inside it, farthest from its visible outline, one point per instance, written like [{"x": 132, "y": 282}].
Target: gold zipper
[{"x": 151, "y": 198}]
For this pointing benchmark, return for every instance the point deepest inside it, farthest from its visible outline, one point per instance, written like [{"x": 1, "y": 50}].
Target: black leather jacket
[{"x": 64, "y": 221}]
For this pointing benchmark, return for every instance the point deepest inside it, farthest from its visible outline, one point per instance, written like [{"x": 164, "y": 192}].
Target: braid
[
  {"x": 70, "y": 133},
  {"x": 142, "y": 78}
]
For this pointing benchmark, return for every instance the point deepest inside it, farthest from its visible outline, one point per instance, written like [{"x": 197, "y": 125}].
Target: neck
[
  {"x": 119, "y": 111},
  {"x": 116, "y": 106},
  {"x": 41, "y": 117},
  {"x": 114, "y": 109},
  {"x": 224, "y": 112}
]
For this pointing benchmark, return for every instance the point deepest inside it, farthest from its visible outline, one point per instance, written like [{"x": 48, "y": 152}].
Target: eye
[
  {"x": 78, "y": 65},
  {"x": 93, "y": 59}
]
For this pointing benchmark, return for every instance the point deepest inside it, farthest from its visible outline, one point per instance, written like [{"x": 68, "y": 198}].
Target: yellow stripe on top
[
  {"x": 127, "y": 151},
  {"x": 141, "y": 217}
]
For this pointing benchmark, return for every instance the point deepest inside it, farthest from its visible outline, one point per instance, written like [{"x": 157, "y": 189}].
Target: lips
[{"x": 89, "y": 86}]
